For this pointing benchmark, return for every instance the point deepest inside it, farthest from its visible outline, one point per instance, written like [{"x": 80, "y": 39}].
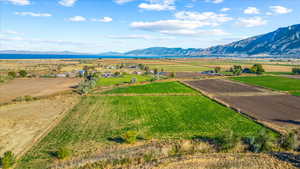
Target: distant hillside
[
  {"x": 161, "y": 51},
  {"x": 283, "y": 41}
]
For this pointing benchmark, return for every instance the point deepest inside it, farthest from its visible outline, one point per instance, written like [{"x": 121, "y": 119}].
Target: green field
[
  {"x": 295, "y": 93},
  {"x": 159, "y": 87},
  {"x": 120, "y": 80},
  {"x": 98, "y": 118},
  {"x": 272, "y": 82}
]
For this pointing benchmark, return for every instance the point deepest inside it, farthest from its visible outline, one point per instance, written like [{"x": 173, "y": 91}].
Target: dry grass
[{"x": 22, "y": 123}]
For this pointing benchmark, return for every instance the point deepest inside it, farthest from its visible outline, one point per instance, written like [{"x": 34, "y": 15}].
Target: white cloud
[
  {"x": 33, "y": 14},
  {"x": 252, "y": 22},
  {"x": 143, "y": 37},
  {"x": 77, "y": 19},
  {"x": 210, "y": 17},
  {"x": 158, "y": 5},
  {"x": 104, "y": 19},
  {"x": 251, "y": 10},
  {"x": 225, "y": 9},
  {"x": 280, "y": 10},
  {"x": 123, "y": 1},
  {"x": 19, "y": 2},
  {"x": 187, "y": 32},
  {"x": 215, "y": 1},
  {"x": 67, "y": 3}
]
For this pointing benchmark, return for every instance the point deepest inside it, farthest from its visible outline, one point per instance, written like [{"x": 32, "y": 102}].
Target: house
[{"x": 107, "y": 75}]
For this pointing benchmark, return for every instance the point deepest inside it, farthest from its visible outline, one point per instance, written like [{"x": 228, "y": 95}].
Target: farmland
[
  {"x": 272, "y": 82},
  {"x": 26, "y": 121},
  {"x": 159, "y": 87},
  {"x": 98, "y": 118},
  {"x": 121, "y": 80},
  {"x": 35, "y": 87}
]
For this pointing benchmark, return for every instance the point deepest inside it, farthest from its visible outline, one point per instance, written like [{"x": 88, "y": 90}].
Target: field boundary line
[
  {"x": 245, "y": 114},
  {"x": 148, "y": 94},
  {"x": 39, "y": 137}
]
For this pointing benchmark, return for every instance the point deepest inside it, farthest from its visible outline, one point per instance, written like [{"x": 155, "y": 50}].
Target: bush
[
  {"x": 228, "y": 140},
  {"x": 236, "y": 70},
  {"x": 133, "y": 80},
  {"x": 296, "y": 71},
  {"x": 130, "y": 137},
  {"x": 23, "y": 73},
  {"x": 8, "y": 160},
  {"x": 258, "y": 69},
  {"x": 264, "y": 142},
  {"x": 289, "y": 141},
  {"x": 63, "y": 153},
  {"x": 12, "y": 74},
  {"x": 173, "y": 74},
  {"x": 217, "y": 69}
]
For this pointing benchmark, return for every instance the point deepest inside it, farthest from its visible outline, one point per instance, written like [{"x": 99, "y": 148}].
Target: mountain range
[{"x": 283, "y": 41}]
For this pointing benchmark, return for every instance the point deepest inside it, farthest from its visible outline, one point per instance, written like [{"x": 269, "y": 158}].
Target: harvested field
[
  {"x": 280, "y": 109},
  {"x": 35, "y": 87},
  {"x": 187, "y": 75},
  {"x": 22, "y": 123},
  {"x": 221, "y": 86},
  {"x": 227, "y": 161}
]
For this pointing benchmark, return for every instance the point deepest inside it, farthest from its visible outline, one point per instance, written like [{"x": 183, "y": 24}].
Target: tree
[
  {"x": 63, "y": 153},
  {"x": 289, "y": 141},
  {"x": 23, "y": 73},
  {"x": 258, "y": 69},
  {"x": 296, "y": 70},
  {"x": 8, "y": 160},
  {"x": 155, "y": 71},
  {"x": 12, "y": 74},
  {"x": 133, "y": 80},
  {"x": 173, "y": 74},
  {"x": 217, "y": 69},
  {"x": 236, "y": 70}
]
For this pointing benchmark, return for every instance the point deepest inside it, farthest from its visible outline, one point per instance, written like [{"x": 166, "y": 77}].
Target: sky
[{"x": 96, "y": 26}]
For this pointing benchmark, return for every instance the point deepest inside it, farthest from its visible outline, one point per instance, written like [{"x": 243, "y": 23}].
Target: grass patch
[
  {"x": 295, "y": 93},
  {"x": 98, "y": 118},
  {"x": 121, "y": 80},
  {"x": 160, "y": 87},
  {"x": 272, "y": 82}
]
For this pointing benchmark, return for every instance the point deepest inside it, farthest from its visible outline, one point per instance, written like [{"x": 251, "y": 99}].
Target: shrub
[
  {"x": 133, "y": 80},
  {"x": 289, "y": 141},
  {"x": 228, "y": 140},
  {"x": 130, "y": 137},
  {"x": 236, "y": 70},
  {"x": 264, "y": 142},
  {"x": 12, "y": 74},
  {"x": 258, "y": 69},
  {"x": 8, "y": 160},
  {"x": 28, "y": 98},
  {"x": 23, "y": 73},
  {"x": 173, "y": 74},
  {"x": 217, "y": 69},
  {"x": 63, "y": 153},
  {"x": 296, "y": 70}
]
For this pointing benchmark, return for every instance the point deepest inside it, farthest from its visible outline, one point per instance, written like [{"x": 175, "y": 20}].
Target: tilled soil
[
  {"x": 35, "y": 87},
  {"x": 280, "y": 109},
  {"x": 221, "y": 86}
]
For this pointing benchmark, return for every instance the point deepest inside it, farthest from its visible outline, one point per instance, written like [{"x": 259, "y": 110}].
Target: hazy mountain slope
[
  {"x": 283, "y": 41},
  {"x": 161, "y": 51}
]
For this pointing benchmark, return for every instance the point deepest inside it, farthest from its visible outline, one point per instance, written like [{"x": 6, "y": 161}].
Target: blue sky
[{"x": 96, "y": 26}]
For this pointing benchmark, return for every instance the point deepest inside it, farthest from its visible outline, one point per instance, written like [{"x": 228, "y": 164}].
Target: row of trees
[
  {"x": 13, "y": 74},
  {"x": 296, "y": 71},
  {"x": 256, "y": 68}
]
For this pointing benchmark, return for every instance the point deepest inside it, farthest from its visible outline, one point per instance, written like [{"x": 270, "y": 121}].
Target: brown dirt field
[
  {"x": 35, "y": 87},
  {"x": 187, "y": 75},
  {"x": 23, "y": 123},
  {"x": 222, "y": 86},
  {"x": 278, "y": 109},
  {"x": 227, "y": 161}
]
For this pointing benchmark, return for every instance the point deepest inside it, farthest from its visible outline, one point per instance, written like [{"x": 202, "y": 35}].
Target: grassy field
[
  {"x": 98, "y": 118},
  {"x": 159, "y": 87},
  {"x": 272, "y": 82},
  {"x": 121, "y": 80},
  {"x": 295, "y": 93}
]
